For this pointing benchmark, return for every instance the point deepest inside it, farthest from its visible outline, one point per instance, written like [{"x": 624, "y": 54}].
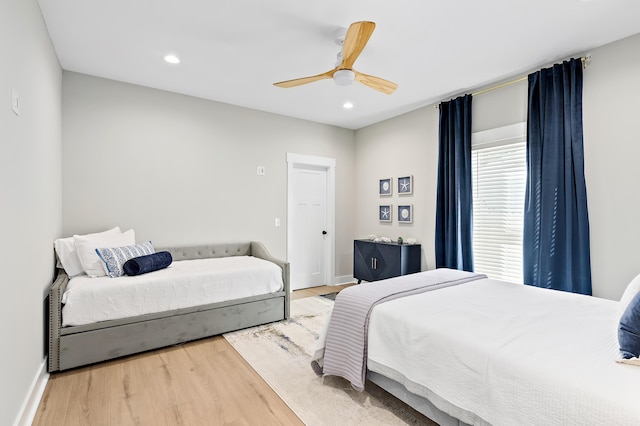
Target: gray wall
[
  {"x": 408, "y": 145},
  {"x": 30, "y": 210},
  {"x": 405, "y": 145},
  {"x": 612, "y": 150},
  {"x": 182, "y": 170}
]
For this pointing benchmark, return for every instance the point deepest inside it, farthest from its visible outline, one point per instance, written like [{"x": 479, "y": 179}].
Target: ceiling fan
[{"x": 343, "y": 74}]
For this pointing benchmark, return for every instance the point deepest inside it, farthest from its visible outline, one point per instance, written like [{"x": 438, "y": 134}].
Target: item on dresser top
[{"x": 382, "y": 240}]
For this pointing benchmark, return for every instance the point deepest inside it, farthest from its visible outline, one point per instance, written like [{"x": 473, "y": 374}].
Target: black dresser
[{"x": 376, "y": 261}]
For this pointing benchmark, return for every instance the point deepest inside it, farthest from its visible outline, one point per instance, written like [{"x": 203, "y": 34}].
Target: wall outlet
[{"x": 261, "y": 170}]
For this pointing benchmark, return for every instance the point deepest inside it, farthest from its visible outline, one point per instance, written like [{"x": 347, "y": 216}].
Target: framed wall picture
[
  {"x": 384, "y": 213},
  {"x": 405, "y": 213},
  {"x": 405, "y": 185},
  {"x": 386, "y": 187}
]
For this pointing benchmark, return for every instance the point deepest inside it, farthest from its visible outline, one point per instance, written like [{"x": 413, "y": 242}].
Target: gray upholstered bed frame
[{"x": 75, "y": 346}]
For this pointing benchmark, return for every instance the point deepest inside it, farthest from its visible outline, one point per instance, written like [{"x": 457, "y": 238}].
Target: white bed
[
  {"x": 183, "y": 284},
  {"x": 490, "y": 352}
]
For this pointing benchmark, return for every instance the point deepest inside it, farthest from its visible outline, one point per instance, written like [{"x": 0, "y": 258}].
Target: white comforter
[
  {"x": 490, "y": 352},
  {"x": 183, "y": 284}
]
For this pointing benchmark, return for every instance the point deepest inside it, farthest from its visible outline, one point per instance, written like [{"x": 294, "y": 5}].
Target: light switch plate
[
  {"x": 261, "y": 170},
  {"x": 15, "y": 101}
]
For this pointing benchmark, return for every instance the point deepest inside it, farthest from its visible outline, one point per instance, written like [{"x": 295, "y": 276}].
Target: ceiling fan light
[
  {"x": 172, "y": 59},
  {"x": 344, "y": 77}
]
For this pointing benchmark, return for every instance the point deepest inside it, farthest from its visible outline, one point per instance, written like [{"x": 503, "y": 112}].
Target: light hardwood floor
[
  {"x": 205, "y": 382},
  {"x": 317, "y": 291}
]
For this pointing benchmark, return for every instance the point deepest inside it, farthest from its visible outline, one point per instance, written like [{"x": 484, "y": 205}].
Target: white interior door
[
  {"x": 310, "y": 222},
  {"x": 309, "y": 226}
]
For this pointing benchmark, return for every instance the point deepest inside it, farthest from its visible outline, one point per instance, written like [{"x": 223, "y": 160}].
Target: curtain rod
[{"x": 585, "y": 60}]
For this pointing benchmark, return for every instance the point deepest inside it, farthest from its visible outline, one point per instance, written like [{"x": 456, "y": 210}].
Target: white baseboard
[
  {"x": 30, "y": 405},
  {"x": 344, "y": 279}
]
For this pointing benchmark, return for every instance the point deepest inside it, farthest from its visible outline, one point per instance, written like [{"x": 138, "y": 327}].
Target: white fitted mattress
[
  {"x": 183, "y": 284},
  {"x": 491, "y": 352}
]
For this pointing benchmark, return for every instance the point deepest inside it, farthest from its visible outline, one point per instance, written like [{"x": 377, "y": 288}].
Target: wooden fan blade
[
  {"x": 355, "y": 40},
  {"x": 380, "y": 84},
  {"x": 305, "y": 80}
]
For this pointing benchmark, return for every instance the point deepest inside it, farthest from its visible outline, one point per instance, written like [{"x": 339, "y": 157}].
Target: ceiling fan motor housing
[{"x": 344, "y": 77}]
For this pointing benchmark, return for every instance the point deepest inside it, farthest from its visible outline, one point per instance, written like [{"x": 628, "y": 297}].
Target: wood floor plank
[
  {"x": 318, "y": 291},
  {"x": 55, "y": 400},
  {"x": 184, "y": 414},
  {"x": 172, "y": 386},
  {"x": 198, "y": 380},
  {"x": 92, "y": 399}
]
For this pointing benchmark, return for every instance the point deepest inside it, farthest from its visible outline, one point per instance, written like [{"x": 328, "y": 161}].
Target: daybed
[
  {"x": 77, "y": 345},
  {"x": 465, "y": 349}
]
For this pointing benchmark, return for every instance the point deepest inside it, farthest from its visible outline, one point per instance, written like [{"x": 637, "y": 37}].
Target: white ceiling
[{"x": 233, "y": 51}]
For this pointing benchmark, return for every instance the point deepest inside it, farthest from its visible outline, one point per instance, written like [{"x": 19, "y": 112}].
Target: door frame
[{"x": 329, "y": 164}]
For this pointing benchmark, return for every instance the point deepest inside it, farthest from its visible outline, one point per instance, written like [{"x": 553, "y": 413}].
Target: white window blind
[{"x": 499, "y": 179}]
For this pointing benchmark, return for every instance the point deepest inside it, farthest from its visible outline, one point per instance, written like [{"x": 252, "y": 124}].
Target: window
[{"x": 499, "y": 172}]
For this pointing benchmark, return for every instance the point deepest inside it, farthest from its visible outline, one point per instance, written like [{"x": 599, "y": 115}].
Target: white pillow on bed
[
  {"x": 632, "y": 289},
  {"x": 68, "y": 255},
  {"x": 87, "y": 245}
]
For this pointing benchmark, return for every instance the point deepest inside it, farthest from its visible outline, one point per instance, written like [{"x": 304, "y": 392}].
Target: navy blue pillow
[
  {"x": 149, "y": 263},
  {"x": 629, "y": 330}
]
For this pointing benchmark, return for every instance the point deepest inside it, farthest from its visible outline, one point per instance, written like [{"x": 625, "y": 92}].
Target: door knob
[{"x": 324, "y": 232}]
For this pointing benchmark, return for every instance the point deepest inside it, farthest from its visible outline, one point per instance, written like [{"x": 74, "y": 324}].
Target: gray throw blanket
[{"x": 345, "y": 349}]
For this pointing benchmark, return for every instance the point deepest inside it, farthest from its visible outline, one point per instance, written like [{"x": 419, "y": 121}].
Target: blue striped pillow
[{"x": 114, "y": 258}]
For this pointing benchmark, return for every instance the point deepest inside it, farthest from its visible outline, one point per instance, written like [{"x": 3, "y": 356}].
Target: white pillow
[
  {"x": 632, "y": 289},
  {"x": 87, "y": 245},
  {"x": 68, "y": 255}
]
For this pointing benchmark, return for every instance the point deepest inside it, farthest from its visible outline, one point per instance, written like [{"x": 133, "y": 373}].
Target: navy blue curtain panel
[
  {"x": 556, "y": 222},
  {"x": 454, "y": 205}
]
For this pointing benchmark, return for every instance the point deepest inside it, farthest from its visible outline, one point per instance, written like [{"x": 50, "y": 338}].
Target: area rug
[
  {"x": 281, "y": 354},
  {"x": 331, "y": 296}
]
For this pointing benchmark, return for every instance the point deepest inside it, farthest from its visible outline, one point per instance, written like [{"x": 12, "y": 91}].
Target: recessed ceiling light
[
  {"x": 172, "y": 59},
  {"x": 347, "y": 105}
]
